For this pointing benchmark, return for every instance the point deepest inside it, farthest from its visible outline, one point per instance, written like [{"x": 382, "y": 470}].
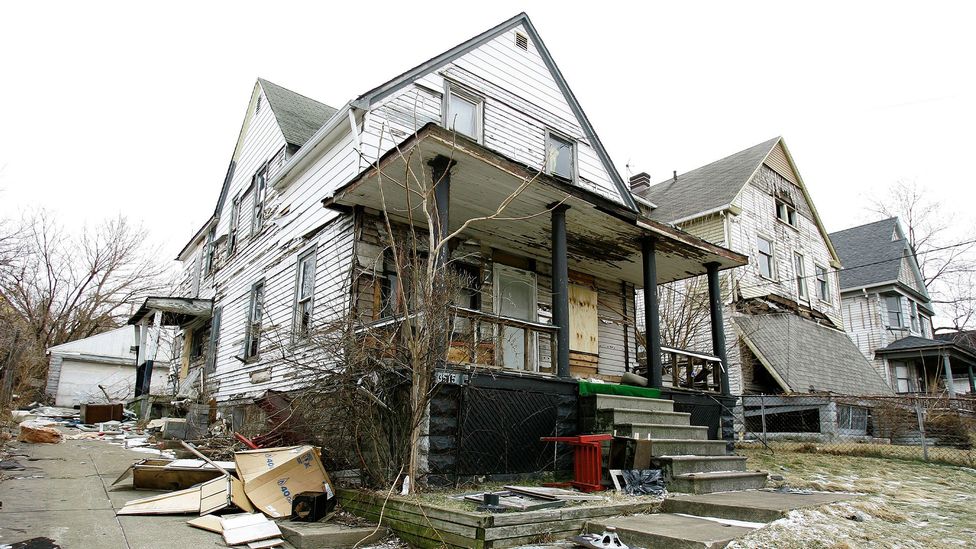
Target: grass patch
[
  {"x": 905, "y": 503},
  {"x": 937, "y": 454}
]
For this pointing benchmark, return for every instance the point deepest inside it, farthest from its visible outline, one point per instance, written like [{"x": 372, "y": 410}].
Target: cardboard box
[
  {"x": 274, "y": 476},
  {"x": 629, "y": 453}
]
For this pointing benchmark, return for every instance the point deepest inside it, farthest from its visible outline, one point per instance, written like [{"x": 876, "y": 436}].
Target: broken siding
[
  {"x": 758, "y": 217},
  {"x": 522, "y": 100}
]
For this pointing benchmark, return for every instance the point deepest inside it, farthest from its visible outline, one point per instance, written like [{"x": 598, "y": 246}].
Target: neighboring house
[
  {"x": 297, "y": 239},
  {"x": 784, "y": 327},
  {"x": 888, "y": 312},
  {"x": 86, "y": 370}
]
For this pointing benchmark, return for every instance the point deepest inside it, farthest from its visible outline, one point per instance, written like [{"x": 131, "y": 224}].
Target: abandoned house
[
  {"x": 299, "y": 239},
  {"x": 888, "y": 312},
  {"x": 783, "y": 319},
  {"x": 99, "y": 368}
]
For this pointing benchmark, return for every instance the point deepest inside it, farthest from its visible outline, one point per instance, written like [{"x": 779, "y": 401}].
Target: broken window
[
  {"x": 766, "y": 264},
  {"x": 260, "y": 184},
  {"x": 305, "y": 288},
  {"x": 560, "y": 156},
  {"x": 463, "y": 113},
  {"x": 801, "y": 275},
  {"x": 235, "y": 216},
  {"x": 852, "y": 418},
  {"x": 199, "y": 342},
  {"x": 389, "y": 291},
  {"x": 252, "y": 336},
  {"x": 211, "y": 250},
  {"x": 823, "y": 284},
  {"x": 786, "y": 213}
]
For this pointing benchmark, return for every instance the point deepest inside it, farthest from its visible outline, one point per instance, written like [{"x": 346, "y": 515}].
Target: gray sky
[{"x": 115, "y": 107}]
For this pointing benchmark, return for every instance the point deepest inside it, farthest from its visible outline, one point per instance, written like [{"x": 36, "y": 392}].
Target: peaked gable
[
  {"x": 877, "y": 253},
  {"x": 456, "y": 64}
]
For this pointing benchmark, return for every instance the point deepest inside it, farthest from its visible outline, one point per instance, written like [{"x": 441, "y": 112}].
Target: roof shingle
[
  {"x": 299, "y": 117},
  {"x": 868, "y": 254},
  {"x": 708, "y": 187},
  {"x": 809, "y": 357}
]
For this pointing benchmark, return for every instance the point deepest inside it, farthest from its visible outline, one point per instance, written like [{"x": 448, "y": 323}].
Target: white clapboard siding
[{"x": 521, "y": 100}]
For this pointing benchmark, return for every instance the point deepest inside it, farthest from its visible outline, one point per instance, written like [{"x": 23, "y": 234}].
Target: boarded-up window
[{"x": 583, "y": 321}]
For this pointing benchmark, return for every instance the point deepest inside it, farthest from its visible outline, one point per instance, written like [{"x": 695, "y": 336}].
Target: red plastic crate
[{"x": 587, "y": 460}]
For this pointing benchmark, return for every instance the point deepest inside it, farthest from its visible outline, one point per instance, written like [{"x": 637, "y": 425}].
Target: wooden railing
[
  {"x": 479, "y": 337},
  {"x": 691, "y": 370}
]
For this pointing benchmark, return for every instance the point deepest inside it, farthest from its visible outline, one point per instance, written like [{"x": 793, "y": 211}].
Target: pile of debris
[{"x": 270, "y": 482}]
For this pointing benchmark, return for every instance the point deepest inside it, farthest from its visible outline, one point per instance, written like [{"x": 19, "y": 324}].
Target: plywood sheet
[{"x": 584, "y": 323}]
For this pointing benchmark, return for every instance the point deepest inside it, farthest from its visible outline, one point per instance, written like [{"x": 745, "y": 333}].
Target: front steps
[{"x": 689, "y": 461}]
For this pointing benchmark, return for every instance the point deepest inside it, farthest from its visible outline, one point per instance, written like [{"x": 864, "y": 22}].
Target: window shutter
[{"x": 211, "y": 362}]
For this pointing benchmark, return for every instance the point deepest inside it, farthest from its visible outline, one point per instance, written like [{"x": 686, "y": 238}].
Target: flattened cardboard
[
  {"x": 211, "y": 523},
  {"x": 273, "y": 476},
  {"x": 248, "y": 528}
]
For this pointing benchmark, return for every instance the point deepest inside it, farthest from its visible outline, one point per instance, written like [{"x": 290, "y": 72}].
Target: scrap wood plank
[
  {"x": 419, "y": 518},
  {"x": 210, "y": 523},
  {"x": 358, "y": 497},
  {"x": 180, "y": 502},
  {"x": 529, "y": 539},
  {"x": 422, "y": 530},
  {"x": 517, "y": 502},
  {"x": 522, "y": 530},
  {"x": 546, "y": 492},
  {"x": 247, "y": 528}
]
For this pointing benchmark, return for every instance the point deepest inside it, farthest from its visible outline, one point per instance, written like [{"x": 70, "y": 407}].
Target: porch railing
[
  {"x": 481, "y": 338},
  {"x": 688, "y": 369}
]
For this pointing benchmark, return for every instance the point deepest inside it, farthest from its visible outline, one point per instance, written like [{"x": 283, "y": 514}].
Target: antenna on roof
[{"x": 675, "y": 176}]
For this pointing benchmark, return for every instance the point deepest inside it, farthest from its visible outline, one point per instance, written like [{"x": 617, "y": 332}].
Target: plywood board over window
[{"x": 583, "y": 322}]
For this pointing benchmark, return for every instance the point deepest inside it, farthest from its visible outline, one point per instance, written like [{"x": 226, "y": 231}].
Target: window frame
[
  {"x": 234, "y": 225},
  {"x": 259, "y": 182},
  {"x": 772, "y": 257},
  {"x": 255, "y": 314},
  {"x": 791, "y": 216},
  {"x": 210, "y": 251},
  {"x": 900, "y": 314},
  {"x": 823, "y": 283},
  {"x": 800, "y": 275},
  {"x": 574, "y": 151},
  {"x": 299, "y": 331},
  {"x": 451, "y": 90}
]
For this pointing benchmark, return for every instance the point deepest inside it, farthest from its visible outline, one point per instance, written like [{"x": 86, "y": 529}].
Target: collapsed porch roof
[
  {"x": 177, "y": 311},
  {"x": 603, "y": 237}
]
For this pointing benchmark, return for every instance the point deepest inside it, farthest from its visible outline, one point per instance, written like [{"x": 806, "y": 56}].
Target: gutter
[{"x": 340, "y": 117}]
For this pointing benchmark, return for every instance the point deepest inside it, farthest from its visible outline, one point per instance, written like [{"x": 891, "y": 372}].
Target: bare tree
[
  {"x": 944, "y": 249},
  {"x": 59, "y": 287}
]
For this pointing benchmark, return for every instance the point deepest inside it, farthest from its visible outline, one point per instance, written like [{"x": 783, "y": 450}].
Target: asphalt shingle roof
[
  {"x": 868, "y": 254},
  {"x": 299, "y": 117},
  {"x": 810, "y": 357},
  {"x": 708, "y": 187},
  {"x": 912, "y": 342}
]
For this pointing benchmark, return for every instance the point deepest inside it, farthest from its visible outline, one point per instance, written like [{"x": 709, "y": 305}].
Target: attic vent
[
  {"x": 522, "y": 41},
  {"x": 257, "y": 106}
]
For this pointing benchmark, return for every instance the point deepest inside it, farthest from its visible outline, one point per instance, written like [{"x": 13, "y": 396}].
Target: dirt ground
[{"x": 906, "y": 504}]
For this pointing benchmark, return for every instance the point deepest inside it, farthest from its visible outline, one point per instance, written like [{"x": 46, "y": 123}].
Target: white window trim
[
  {"x": 312, "y": 252},
  {"x": 497, "y": 270},
  {"x": 825, "y": 298},
  {"x": 801, "y": 276},
  {"x": 545, "y": 153},
  {"x": 453, "y": 89},
  {"x": 259, "y": 196},
  {"x": 773, "y": 271},
  {"x": 776, "y": 203},
  {"x": 234, "y": 228},
  {"x": 250, "y": 321}
]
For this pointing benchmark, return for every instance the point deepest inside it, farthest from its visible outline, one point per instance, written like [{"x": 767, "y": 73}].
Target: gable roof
[
  {"x": 708, "y": 188},
  {"x": 298, "y": 116},
  {"x": 806, "y": 357},
  {"x": 873, "y": 254},
  {"x": 383, "y": 90}
]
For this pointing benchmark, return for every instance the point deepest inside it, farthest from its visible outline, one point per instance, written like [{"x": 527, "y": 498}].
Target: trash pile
[{"x": 269, "y": 482}]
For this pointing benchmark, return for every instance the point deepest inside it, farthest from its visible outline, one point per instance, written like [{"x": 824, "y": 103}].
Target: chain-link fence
[{"x": 929, "y": 428}]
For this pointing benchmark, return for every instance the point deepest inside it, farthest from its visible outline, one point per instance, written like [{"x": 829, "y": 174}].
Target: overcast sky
[{"x": 109, "y": 107}]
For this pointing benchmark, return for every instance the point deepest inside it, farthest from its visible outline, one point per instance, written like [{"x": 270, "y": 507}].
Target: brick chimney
[{"x": 640, "y": 182}]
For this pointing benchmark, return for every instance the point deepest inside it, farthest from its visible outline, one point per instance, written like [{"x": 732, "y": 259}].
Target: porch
[
  {"x": 921, "y": 365},
  {"x": 556, "y": 264}
]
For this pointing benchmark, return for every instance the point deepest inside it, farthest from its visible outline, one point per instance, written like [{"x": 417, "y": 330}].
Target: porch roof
[
  {"x": 603, "y": 237},
  {"x": 923, "y": 348},
  {"x": 177, "y": 311}
]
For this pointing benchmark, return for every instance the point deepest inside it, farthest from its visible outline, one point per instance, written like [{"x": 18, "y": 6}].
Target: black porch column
[
  {"x": 440, "y": 167},
  {"x": 718, "y": 325},
  {"x": 972, "y": 381},
  {"x": 652, "y": 319},
  {"x": 560, "y": 288}
]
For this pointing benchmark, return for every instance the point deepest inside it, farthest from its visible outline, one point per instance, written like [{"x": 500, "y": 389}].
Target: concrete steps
[
  {"x": 686, "y": 447},
  {"x": 752, "y": 506},
  {"x": 679, "y": 465},
  {"x": 661, "y": 430},
  {"x": 671, "y": 531},
  {"x": 719, "y": 481},
  {"x": 610, "y": 402},
  {"x": 636, "y": 415}
]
